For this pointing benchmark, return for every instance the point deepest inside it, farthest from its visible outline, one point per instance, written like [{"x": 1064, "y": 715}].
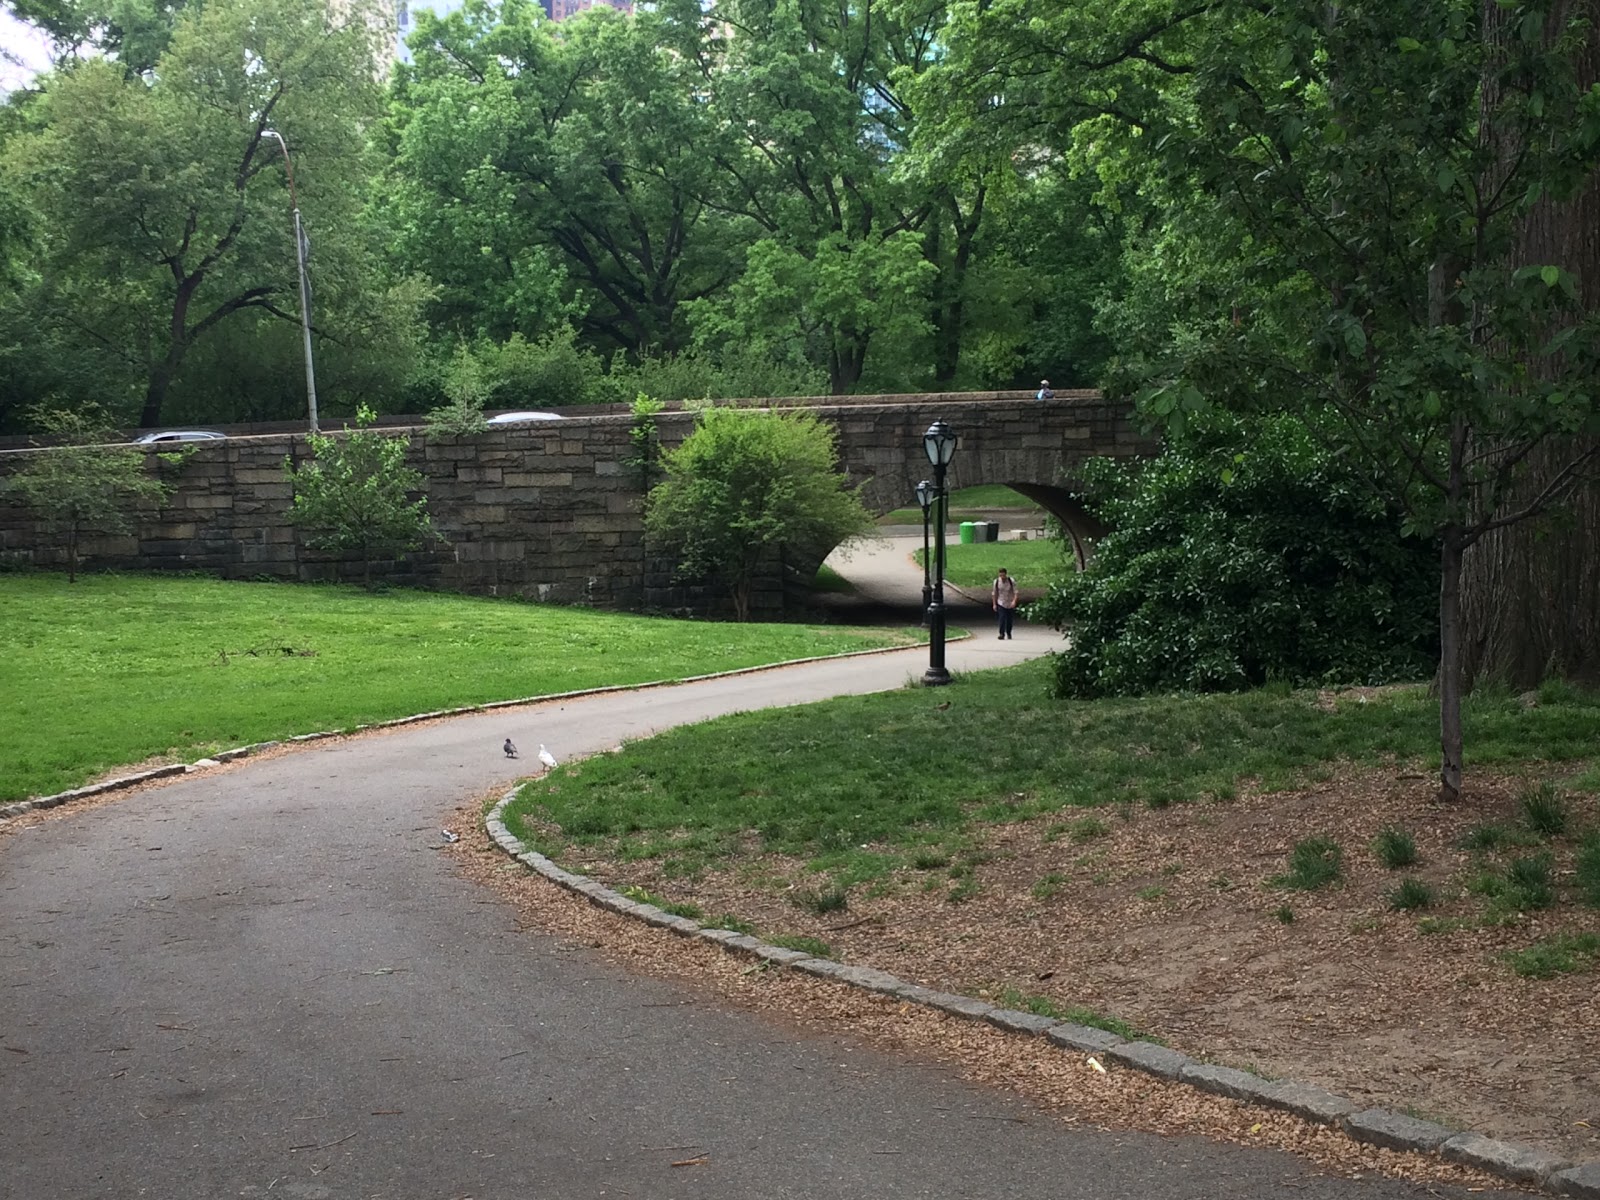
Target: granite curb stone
[
  {"x": 1227, "y": 1081},
  {"x": 959, "y": 1006},
  {"x": 1151, "y": 1058},
  {"x": 1583, "y": 1181},
  {"x": 782, "y": 956},
  {"x": 1304, "y": 1100},
  {"x": 1376, "y": 1126},
  {"x": 1082, "y": 1037},
  {"x": 1014, "y": 1021},
  {"x": 1506, "y": 1159},
  {"x": 1396, "y": 1131}
]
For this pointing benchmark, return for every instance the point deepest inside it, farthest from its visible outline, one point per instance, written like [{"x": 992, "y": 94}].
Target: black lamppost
[
  {"x": 940, "y": 444},
  {"x": 925, "y": 498}
]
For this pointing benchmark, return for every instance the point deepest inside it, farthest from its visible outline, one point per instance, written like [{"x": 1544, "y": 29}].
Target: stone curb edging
[
  {"x": 1524, "y": 1165},
  {"x": 16, "y": 809}
]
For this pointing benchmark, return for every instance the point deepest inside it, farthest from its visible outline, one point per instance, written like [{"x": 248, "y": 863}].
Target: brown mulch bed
[{"x": 1166, "y": 920}]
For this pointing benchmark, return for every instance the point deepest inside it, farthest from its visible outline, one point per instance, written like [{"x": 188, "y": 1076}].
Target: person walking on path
[
  {"x": 1003, "y": 599},
  {"x": 1044, "y": 392}
]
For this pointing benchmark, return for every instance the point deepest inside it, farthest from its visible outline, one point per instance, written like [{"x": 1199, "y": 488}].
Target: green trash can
[{"x": 968, "y": 532}]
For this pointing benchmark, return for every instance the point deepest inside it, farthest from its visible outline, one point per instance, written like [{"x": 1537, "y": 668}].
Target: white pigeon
[
  {"x": 510, "y": 749},
  {"x": 548, "y": 759}
]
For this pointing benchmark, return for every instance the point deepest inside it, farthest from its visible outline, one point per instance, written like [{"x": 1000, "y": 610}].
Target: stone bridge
[{"x": 551, "y": 511}]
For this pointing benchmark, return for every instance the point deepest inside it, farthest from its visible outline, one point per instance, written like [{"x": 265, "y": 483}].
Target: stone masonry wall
[{"x": 551, "y": 511}]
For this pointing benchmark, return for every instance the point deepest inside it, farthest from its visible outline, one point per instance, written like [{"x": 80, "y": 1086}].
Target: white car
[
  {"x": 516, "y": 418},
  {"x": 179, "y": 435}
]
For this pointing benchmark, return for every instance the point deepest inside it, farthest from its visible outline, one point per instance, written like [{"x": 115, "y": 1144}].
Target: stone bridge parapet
[{"x": 551, "y": 511}]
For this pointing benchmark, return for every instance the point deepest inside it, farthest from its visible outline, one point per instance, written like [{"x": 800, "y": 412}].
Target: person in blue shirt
[{"x": 1044, "y": 391}]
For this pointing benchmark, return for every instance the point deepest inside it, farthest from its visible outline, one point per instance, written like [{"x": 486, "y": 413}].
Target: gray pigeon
[{"x": 511, "y": 750}]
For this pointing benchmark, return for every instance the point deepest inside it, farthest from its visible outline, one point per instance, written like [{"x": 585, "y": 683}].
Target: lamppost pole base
[{"x": 935, "y": 675}]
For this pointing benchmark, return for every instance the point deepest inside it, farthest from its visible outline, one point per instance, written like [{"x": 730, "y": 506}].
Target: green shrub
[
  {"x": 698, "y": 375},
  {"x": 1243, "y": 554},
  {"x": 1411, "y": 894},
  {"x": 1283, "y": 914},
  {"x": 1086, "y": 829},
  {"x": 1559, "y": 955},
  {"x": 1489, "y": 838},
  {"x": 1544, "y": 809},
  {"x": 823, "y": 900},
  {"x": 1528, "y": 883},
  {"x": 1048, "y": 886},
  {"x": 552, "y": 372},
  {"x": 1395, "y": 848},
  {"x": 1313, "y": 863}
]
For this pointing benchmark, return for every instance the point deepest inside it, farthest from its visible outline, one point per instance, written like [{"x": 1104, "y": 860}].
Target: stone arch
[{"x": 1063, "y": 503}]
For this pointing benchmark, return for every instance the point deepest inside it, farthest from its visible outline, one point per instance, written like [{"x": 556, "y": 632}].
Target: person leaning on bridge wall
[{"x": 1044, "y": 391}]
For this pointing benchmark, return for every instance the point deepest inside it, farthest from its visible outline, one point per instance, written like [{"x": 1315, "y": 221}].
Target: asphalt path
[{"x": 265, "y": 981}]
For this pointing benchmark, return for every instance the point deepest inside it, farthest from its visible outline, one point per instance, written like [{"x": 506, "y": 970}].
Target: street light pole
[
  {"x": 925, "y": 499},
  {"x": 300, "y": 249},
  {"x": 940, "y": 444}
]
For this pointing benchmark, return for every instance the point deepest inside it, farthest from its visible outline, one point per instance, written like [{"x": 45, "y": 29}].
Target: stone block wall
[{"x": 551, "y": 511}]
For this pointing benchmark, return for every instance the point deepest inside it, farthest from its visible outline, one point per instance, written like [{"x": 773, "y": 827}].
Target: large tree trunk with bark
[{"x": 1531, "y": 592}]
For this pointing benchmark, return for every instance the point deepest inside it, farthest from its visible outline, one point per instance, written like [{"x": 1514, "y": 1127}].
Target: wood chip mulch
[{"x": 1166, "y": 921}]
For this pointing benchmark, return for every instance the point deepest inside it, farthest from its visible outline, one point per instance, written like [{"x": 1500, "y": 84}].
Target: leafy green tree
[
  {"x": 162, "y": 199},
  {"x": 85, "y": 484},
  {"x": 1244, "y": 553},
  {"x": 1341, "y": 185},
  {"x": 465, "y": 392},
  {"x": 746, "y": 485},
  {"x": 802, "y": 97},
  {"x": 134, "y": 32},
  {"x": 543, "y": 176},
  {"x": 355, "y": 494}
]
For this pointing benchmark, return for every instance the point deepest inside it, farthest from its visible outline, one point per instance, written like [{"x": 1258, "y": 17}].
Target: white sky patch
[{"x": 24, "y": 52}]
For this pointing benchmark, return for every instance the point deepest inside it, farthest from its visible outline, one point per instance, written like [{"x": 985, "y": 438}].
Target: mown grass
[
  {"x": 861, "y": 785},
  {"x": 117, "y": 669},
  {"x": 964, "y": 502},
  {"x": 975, "y": 564}
]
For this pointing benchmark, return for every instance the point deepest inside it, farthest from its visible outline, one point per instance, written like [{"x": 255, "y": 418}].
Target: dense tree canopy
[
  {"x": 1375, "y": 217},
  {"x": 160, "y": 205}
]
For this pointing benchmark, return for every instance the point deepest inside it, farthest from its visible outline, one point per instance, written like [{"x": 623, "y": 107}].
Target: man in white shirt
[{"x": 1003, "y": 598}]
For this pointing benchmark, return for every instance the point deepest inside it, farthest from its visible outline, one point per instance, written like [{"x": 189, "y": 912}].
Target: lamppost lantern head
[
  {"x": 925, "y": 494},
  {"x": 940, "y": 443}
]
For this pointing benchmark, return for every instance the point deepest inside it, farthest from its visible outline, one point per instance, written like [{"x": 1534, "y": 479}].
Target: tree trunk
[
  {"x": 1531, "y": 592},
  {"x": 845, "y": 362},
  {"x": 1450, "y": 736}
]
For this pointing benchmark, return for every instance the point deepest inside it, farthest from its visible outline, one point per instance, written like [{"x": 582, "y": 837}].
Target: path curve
[{"x": 263, "y": 980}]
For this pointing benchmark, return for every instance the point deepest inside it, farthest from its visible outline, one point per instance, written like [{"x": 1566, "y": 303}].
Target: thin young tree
[
  {"x": 86, "y": 483},
  {"x": 356, "y": 494}
]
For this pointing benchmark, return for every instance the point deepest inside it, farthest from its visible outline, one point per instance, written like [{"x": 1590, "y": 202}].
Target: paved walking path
[{"x": 264, "y": 981}]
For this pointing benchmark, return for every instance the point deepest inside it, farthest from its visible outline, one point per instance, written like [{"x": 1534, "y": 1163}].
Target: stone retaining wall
[{"x": 551, "y": 511}]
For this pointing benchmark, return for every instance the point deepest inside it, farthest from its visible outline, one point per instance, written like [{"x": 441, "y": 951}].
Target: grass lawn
[
  {"x": 964, "y": 503},
  {"x": 975, "y": 565},
  {"x": 861, "y": 785},
  {"x": 118, "y": 669}
]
